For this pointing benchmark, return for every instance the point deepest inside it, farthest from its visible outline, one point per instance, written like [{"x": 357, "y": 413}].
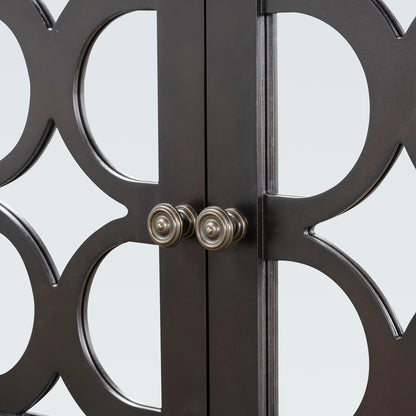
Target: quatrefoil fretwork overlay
[
  {"x": 389, "y": 62},
  {"x": 55, "y": 55}
]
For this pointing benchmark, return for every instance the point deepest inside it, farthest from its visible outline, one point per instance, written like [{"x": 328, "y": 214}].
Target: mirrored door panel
[
  {"x": 340, "y": 206},
  {"x": 102, "y": 119},
  {"x": 323, "y": 119}
]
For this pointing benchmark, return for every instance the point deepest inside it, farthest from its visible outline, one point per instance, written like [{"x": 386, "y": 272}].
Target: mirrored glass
[
  {"x": 14, "y": 91},
  {"x": 323, "y": 354},
  {"x": 124, "y": 321},
  {"x": 323, "y": 105},
  {"x": 404, "y": 11},
  {"x": 121, "y": 95},
  {"x": 16, "y": 306},
  {"x": 60, "y": 202},
  {"x": 378, "y": 234},
  {"x": 55, "y": 7},
  {"x": 58, "y": 402}
]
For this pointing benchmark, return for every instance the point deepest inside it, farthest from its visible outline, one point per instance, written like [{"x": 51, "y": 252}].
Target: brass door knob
[
  {"x": 217, "y": 229},
  {"x": 169, "y": 225}
]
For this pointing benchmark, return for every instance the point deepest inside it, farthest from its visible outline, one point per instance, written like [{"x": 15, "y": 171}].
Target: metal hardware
[
  {"x": 217, "y": 229},
  {"x": 168, "y": 225}
]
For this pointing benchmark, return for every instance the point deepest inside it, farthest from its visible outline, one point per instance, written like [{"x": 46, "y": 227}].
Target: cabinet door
[
  {"x": 61, "y": 343},
  {"x": 348, "y": 235}
]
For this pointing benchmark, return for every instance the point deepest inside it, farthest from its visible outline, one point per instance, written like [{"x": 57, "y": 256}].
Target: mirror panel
[
  {"x": 403, "y": 10},
  {"x": 323, "y": 105},
  {"x": 323, "y": 354},
  {"x": 51, "y": 197},
  {"x": 15, "y": 91},
  {"x": 121, "y": 95},
  {"x": 16, "y": 306},
  {"x": 58, "y": 402},
  {"x": 378, "y": 235},
  {"x": 56, "y": 7},
  {"x": 124, "y": 321}
]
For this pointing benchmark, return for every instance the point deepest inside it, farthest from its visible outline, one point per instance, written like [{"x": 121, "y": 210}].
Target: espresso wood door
[{"x": 56, "y": 54}]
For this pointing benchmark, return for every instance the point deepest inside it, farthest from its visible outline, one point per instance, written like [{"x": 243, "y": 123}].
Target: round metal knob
[
  {"x": 217, "y": 229},
  {"x": 168, "y": 225}
]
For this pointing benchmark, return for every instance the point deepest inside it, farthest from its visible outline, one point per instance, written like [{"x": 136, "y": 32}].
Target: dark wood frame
[{"x": 237, "y": 283}]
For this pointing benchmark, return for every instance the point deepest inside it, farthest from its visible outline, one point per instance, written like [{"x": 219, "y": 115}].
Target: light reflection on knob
[
  {"x": 217, "y": 229},
  {"x": 168, "y": 225}
]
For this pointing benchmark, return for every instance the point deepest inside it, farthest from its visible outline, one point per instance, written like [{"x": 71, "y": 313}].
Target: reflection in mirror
[
  {"x": 16, "y": 306},
  {"x": 323, "y": 354},
  {"x": 15, "y": 91},
  {"x": 124, "y": 321},
  {"x": 58, "y": 402},
  {"x": 121, "y": 94},
  {"x": 403, "y": 10},
  {"x": 379, "y": 235},
  {"x": 60, "y": 202},
  {"x": 323, "y": 105}
]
